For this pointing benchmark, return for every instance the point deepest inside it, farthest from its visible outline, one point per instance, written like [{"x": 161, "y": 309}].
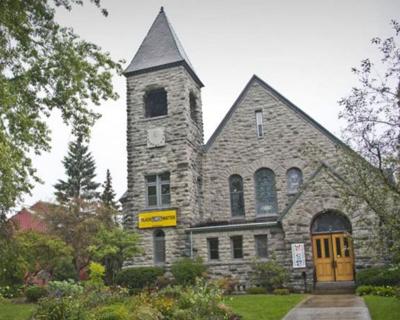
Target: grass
[
  {"x": 383, "y": 308},
  {"x": 263, "y": 307},
  {"x": 10, "y": 311}
]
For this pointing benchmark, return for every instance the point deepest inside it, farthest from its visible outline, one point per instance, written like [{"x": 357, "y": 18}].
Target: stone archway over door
[{"x": 332, "y": 247}]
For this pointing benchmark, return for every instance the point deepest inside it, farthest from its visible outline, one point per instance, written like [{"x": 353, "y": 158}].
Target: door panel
[
  {"x": 323, "y": 257},
  {"x": 343, "y": 257}
]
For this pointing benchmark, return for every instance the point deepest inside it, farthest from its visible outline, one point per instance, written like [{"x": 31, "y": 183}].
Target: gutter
[{"x": 233, "y": 226}]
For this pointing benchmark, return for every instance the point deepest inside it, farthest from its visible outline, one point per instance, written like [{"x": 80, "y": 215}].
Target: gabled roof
[
  {"x": 278, "y": 96},
  {"x": 160, "y": 49}
]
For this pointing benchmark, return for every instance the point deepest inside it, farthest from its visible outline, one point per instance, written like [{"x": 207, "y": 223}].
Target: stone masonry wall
[{"x": 181, "y": 155}]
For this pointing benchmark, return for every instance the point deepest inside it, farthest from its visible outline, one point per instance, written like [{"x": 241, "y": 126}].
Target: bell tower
[{"x": 164, "y": 145}]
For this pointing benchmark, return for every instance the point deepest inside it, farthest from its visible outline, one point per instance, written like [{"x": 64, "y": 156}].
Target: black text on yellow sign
[{"x": 157, "y": 219}]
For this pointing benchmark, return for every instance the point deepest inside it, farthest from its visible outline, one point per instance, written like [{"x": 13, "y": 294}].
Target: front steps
[{"x": 336, "y": 287}]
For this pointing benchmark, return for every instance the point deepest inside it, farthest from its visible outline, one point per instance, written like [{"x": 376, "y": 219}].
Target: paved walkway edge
[{"x": 297, "y": 305}]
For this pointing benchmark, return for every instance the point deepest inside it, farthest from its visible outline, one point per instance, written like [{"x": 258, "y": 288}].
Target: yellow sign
[{"x": 157, "y": 219}]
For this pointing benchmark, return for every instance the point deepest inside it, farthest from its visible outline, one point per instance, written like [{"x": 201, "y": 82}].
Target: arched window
[
  {"x": 294, "y": 178},
  {"x": 155, "y": 103},
  {"x": 266, "y": 201},
  {"x": 159, "y": 246},
  {"x": 331, "y": 221},
  {"x": 236, "y": 192}
]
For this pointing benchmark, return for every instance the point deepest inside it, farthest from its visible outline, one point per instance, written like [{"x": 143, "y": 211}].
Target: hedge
[
  {"x": 379, "y": 276},
  {"x": 138, "y": 278}
]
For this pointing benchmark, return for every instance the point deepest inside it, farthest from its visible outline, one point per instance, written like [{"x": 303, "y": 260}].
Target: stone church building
[{"x": 250, "y": 192}]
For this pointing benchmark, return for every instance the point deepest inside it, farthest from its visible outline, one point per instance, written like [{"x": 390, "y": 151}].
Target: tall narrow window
[
  {"x": 237, "y": 247},
  {"x": 259, "y": 122},
  {"x": 159, "y": 246},
  {"x": 213, "y": 248},
  {"x": 155, "y": 103},
  {"x": 294, "y": 178},
  {"x": 236, "y": 193},
  {"x": 261, "y": 245},
  {"x": 266, "y": 200},
  {"x": 158, "y": 190},
  {"x": 193, "y": 107}
]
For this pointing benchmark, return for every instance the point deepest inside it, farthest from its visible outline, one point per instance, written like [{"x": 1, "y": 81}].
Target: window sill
[{"x": 154, "y": 118}]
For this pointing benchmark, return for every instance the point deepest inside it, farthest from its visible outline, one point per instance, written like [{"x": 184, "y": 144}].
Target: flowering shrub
[{"x": 10, "y": 292}]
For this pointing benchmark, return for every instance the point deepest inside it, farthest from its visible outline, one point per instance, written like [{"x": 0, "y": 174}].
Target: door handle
[{"x": 334, "y": 264}]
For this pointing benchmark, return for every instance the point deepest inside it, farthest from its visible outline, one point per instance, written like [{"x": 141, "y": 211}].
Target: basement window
[
  {"x": 213, "y": 248},
  {"x": 155, "y": 102},
  {"x": 237, "y": 247}
]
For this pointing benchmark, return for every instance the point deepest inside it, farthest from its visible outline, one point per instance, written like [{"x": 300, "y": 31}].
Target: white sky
[{"x": 304, "y": 49}]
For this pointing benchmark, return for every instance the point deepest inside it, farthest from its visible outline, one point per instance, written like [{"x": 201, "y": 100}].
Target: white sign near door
[{"x": 298, "y": 255}]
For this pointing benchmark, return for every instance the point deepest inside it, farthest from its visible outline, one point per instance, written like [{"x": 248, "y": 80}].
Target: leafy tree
[
  {"x": 108, "y": 195},
  {"x": 43, "y": 67},
  {"x": 80, "y": 170},
  {"x": 112, "y": 247},
  {"x": 77, "y": 222},
  {"x": 372, "y": 113},
  {"x": 41, "y": 251}
]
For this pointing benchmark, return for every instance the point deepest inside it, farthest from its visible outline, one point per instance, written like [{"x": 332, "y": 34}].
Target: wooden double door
[{"x": 333, "y": 257}]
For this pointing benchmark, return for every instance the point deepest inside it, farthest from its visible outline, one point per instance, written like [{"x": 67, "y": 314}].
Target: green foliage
[
  {"x": 376, "y": 291},
  {"x": 12, "y": 265},
  {"x": 66, "y": 308},
  {"x": 139, "y": 278},
  {"x": 96, "y": 274},
  {"x": 108, "y": 195},
  {"x": 11, "y": 292},
  {"x": 64, "y": 270},
  {"x": 112, "y": 247},
  {"x": 270, "y": 275},
  {"x": 113, "y": 312},
  {"x": 256, "y": 290},
  {"x": 44, "y": 67},
  {"x": 379, "y": 276},
  {"x": 80, "y": 170},
  {"x": 186, "y": 270},
  {"x": 281, "y": 292},
  {"x": 34, "y": 293},
  {"x": 64, "y": 288},
  {"x": 41, "y": 251}
]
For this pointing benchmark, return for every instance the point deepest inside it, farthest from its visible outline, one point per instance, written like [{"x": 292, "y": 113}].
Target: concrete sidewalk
[{"x": 330, "y": 307}]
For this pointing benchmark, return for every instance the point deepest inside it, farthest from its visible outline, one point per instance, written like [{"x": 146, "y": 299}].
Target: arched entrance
[{"x": 332, "y": 247}]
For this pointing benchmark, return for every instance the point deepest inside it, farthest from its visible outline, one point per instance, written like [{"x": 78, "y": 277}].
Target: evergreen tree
[
  {"x": 108, "y": 195},
  {"x": 80, "y": 170}
]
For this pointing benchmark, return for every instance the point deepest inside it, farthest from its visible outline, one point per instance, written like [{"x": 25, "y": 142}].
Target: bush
[
  {"x": 376, "y": 291},
  {"x": 64, "y": 288},
  {"x": 269, "y": 275},
  {"x": 256, "y": 290},
  {"x": 186, "y": 270},
  {"x": 138, "y": 278},
  {"x": 96, "y": 275},
  {"x": 112, "y": 312},
  {"x": 379, "y": 276},
  {"x": 281, "y": 292},
  {"x": 227, "y": 284},
  {"x": 10, "y": 292},
  {"x": 61, "y": 309},
  {"x": 34, "y": 293}
]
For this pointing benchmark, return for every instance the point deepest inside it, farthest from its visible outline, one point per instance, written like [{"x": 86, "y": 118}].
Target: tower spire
[{"x": 160, "y": 49}]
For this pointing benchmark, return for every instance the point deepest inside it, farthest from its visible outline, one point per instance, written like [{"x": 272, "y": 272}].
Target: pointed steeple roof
[{"x": 160, "y": 49}]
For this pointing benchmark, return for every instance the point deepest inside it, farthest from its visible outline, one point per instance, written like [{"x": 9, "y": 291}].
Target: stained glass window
[
  {"x": 236, "y": 193},
  {"x": 294, "y": 180},
  {"x": 266, "y": 200},
  {"x": 331, "y": 221}
]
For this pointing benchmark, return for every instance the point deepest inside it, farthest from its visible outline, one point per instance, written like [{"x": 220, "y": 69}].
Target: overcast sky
[{"x": 304, "y": 49}]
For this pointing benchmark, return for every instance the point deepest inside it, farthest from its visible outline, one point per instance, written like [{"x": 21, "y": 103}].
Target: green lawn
[
  {"x": 383, "y": 308},
  {"x": 263, "y": 307},
  {"x": 10, "y": 311}
]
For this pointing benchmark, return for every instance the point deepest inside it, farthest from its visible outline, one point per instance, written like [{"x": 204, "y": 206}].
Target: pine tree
[
  {"x": 80, "y": 170},
  {"x": 108, "y": 195}
]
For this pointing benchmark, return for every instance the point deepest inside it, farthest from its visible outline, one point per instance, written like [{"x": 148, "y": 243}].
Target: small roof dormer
[{"x": 160, "y": 49}]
